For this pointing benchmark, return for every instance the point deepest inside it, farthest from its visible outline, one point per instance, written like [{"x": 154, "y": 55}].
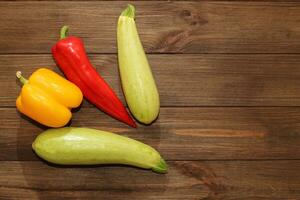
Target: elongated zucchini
[
  {"x": 84, "y": 146},
  {"x": 137, "y": 80}
]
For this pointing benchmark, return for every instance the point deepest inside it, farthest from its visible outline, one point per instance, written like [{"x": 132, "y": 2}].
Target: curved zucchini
[
  {"x": 84, "y": 146},
  {"x": 137, "y": 80}
]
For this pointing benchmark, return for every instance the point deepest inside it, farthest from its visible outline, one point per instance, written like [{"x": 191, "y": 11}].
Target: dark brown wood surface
[
  {"x": 207, "y": 180},
  {"x": 181, "y": 133},
  {"x": 164, "y": 26},
  {"x": 228, "y": 73},
  {"x": 189, "y": 79}
]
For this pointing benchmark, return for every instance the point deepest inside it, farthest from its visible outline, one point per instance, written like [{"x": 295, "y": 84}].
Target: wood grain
[
  {"x": 229, "y": 80},
  {"x": 185, "y": 180},
  {"x": 180, "y": 133},
  {"x": 164, "y": 26},
  {"x": 188, "y": 80}
]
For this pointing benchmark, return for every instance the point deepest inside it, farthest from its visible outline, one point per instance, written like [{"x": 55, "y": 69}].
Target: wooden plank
[
  {"x": 185, "y": 180},
  {"x": 134, "y": 1},
  {"x": 164, "y": 26},
  {"x": 189, "y": 79},
  {"x": 180, "y": 133}
]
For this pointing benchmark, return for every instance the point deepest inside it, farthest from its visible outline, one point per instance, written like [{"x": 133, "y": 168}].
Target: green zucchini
[
  {"x": 84, "y": 146},
  {"x": 137, "y": 80}
]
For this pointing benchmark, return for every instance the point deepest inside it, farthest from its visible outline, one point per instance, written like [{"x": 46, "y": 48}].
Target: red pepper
[{"x": 70, "y": 55}]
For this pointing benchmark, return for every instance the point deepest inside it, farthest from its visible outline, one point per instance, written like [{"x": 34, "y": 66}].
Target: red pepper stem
[
  {"x": 21, "y": 78},
  {"x": 63, "y": 32}
]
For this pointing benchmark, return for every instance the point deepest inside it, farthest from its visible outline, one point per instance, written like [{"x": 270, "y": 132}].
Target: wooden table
[{"x": 228, "y": 73}]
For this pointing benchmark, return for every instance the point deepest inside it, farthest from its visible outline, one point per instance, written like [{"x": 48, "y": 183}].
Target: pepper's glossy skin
[
  {"x": 84, "y": 146},
  {"x": 70, "y": 55},
  {"x": 138, "y": 83},
  {"x": 47, "y": 98}
]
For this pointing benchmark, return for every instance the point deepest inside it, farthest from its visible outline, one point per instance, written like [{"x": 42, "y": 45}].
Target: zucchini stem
[
  {"x": 161, "y": 168},
  {"x": 129, "y": 11}
]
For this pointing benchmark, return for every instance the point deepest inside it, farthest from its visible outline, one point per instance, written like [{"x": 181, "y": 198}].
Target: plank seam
[
  {"x": 172, "y": 160},
  {"x": 192, "y": 106},
  {"x": 150, "y": 53}
]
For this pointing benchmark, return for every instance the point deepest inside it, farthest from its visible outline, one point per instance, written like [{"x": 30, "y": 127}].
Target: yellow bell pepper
[{"x": 47, "y": 97}]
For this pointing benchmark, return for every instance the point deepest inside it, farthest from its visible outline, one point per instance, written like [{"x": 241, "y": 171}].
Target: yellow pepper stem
[{"x": 21, "y": 78}]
